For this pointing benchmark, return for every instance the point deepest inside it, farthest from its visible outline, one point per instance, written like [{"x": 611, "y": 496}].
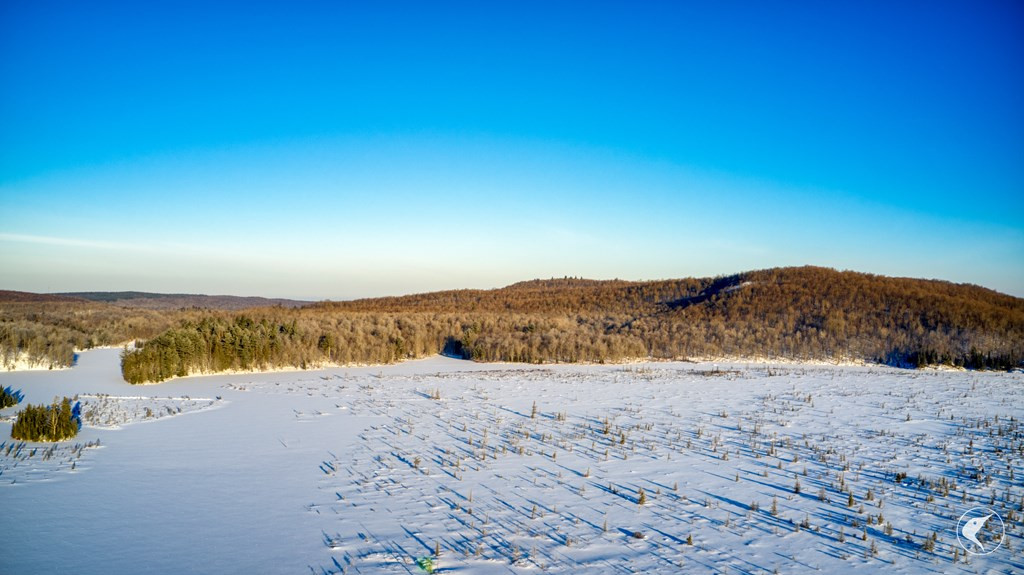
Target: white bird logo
[{"x": 971, "y": 528}]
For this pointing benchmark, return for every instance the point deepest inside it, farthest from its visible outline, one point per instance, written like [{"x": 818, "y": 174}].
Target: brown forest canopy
[{"x": 785, "y": 313}]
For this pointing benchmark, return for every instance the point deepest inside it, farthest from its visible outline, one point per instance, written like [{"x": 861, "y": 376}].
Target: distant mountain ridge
[
  {"x": 11, "y": 296},
  {"x": 158, "y": 301}
]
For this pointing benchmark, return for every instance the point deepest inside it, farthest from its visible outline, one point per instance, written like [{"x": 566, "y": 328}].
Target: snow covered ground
[
  {"x": 509, "y": 468},
  {"x": 24, "y": 362}
]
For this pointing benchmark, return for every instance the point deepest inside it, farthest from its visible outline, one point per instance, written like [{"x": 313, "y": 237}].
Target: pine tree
[{"x": 55, "y": 422}]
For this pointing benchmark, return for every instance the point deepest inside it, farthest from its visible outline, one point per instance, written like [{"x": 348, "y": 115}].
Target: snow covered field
[
  {"x": 509, "y": 468},
  {"x": 23, "y": 362}
]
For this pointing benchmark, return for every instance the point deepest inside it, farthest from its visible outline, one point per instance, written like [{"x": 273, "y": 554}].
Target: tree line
[{"x": 275, "y": 338}]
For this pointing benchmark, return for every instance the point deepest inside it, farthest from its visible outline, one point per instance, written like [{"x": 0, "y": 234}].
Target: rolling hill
[{"x": 805, "y": 313}]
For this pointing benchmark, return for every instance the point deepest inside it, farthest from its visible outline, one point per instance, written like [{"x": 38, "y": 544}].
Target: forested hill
[
  {"x": 788, "y": 313},
  {"x": 808, "y": 292}
]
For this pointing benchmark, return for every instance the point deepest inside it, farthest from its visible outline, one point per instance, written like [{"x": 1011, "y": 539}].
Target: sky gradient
[{"x": 335, "y": 150}]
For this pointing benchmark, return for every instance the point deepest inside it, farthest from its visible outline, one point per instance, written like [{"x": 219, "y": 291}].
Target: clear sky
[{"x": 339, "y": 149}]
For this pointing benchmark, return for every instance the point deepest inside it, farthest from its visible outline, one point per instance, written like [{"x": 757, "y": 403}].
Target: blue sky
[{"x": 337, "y": 150}]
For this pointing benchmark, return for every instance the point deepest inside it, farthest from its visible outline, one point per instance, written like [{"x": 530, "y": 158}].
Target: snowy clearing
[
  {"x": 24, "y": 362},
  {"x": 517, "y": 469}
]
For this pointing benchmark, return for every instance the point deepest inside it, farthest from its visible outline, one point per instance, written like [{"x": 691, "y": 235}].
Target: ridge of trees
[{"x": 787, "y": 313}]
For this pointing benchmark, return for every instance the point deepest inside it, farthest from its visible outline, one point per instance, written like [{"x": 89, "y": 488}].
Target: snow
[{"x": 361, "y": 470}]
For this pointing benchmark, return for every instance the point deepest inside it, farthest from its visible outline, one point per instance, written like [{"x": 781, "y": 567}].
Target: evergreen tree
[{"x": 55, "y": 422}]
